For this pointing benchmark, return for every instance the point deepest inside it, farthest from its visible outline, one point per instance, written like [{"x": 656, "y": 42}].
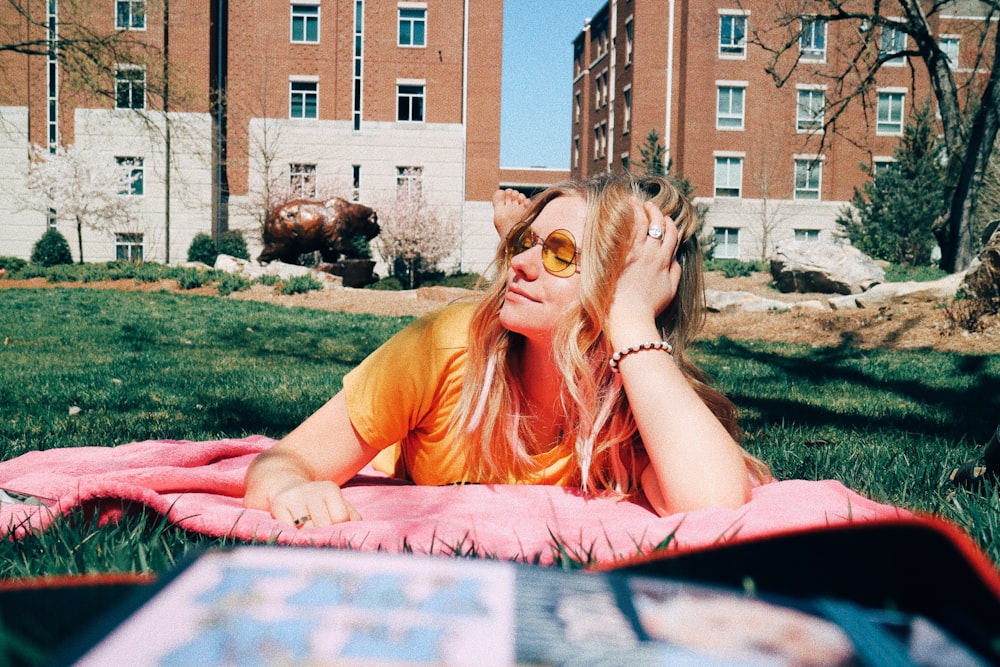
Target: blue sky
[{"x": 536, "y": 100}]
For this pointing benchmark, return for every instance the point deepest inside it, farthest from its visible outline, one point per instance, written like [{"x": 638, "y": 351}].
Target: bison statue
[{"x": 328, "y": 226}]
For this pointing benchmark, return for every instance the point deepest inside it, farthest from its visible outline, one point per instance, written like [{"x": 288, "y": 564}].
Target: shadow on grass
[{"x": 929, "y": 392}]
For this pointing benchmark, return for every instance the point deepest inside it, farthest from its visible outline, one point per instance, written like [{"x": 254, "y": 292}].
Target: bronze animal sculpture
[{"x": 303, "y": 226}]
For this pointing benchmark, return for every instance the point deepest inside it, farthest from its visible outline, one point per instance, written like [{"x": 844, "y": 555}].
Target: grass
[{"x": 150, "y": 365}]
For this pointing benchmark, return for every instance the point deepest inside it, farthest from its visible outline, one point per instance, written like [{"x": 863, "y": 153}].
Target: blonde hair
[{"x": 494, "y": 428}]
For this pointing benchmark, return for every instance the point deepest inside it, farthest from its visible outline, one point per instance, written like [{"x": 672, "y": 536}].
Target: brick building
[
  {"x": 226, "y": 105},
  {"x": 756, "y": 154}
]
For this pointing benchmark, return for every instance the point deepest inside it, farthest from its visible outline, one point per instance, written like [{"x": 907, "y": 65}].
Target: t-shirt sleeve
[{"x": 398, "y": 388}]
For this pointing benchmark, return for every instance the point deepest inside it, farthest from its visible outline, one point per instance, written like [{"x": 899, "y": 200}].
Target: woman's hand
[
  {"x": 313, "y": 504},
  {"x": 298, "y": 479},
  {"x": 649, "y": 281}
]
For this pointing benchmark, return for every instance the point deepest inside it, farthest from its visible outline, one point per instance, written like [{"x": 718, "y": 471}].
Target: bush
[
  {"x": 231, "y": 282},
  {"x": 51, "y": 250},
  {"x": 299, "y": 285},
  {"x": 735, "y": 268},
  {"x": 233, "y": 244},
  {"x": 202, "y": 249},
  {"x": 10, "y": 265}
]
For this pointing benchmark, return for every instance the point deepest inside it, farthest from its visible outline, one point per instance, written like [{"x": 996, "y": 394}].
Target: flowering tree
[
  {"x": 414, "y": 233},
  {"x": 76, "y": 185}
]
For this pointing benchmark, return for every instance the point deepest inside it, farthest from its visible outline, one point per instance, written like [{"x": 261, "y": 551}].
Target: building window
[
  {"x": 130, "y": 14},
  {"x": 882, "y": 164},
  {"x": 130, "y": 87},
  {"x": 627, "y": 102},
  {"x": 602, "y": 143},
  {"x": 132, "y": 166},
  {"x": 625, "y": 163},
  {"x": 577, "y": 106},
  {"x": 810, "y": 110},
  {"x": 733, "y": 35},
  {"x": 356, "y": 181},
  {"x": 409, "y": 181},
  {"x": 356, "y": 93},
  {"x": 812, "y": 41},
  {"x": 949, "y": 45},
  {"x": 128, "y": 247},
  {"x": 606, "y": 88},
  {"x": 576, "y": 152},
  {"x": 629, "y": 42},
  {"x": 890, "y": 113},
  {"x": 729, "y": 108},
  {"x": 807, "y": 178},
  {"x": 302, "y": 180},
  {"x": 305, "y": 23},
  {"x": 807, "y": 235},
  {"x": 728, "y": 176},
  {"x": 727, "y": 243},
  {"x": 412, "y": 26},
  {"x": 303, "y": 99},
  {"x": 891, "y": 42},
  {"x": 410, "y": 103}
]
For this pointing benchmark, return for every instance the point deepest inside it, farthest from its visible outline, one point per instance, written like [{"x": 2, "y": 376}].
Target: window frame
[
  {"x": 306, "y": 21},
  {"x": 415, "y": 97},
  {"x": 137, "y": 168},
  {"x": 807, "y": 235},
  {"x": 130, "y": 14},
  {"x": 412, "y": 23},
  {"x": 734, "y": 47},
  {"x": 885, "y": 49},
  {"x": 722, "y": 189},
  {"x": 890, "y": 127},
  {"x": 730, "y": 242},
  {"x": 737, "y": 119},
  {"x": 811, "y": 187},
  {"x": 808, "y": 48},
  {"x": 132, "y": 83},
  {"x": 409, "y": 180},
  {"x": 952, "y": 53},
  {"x": 807, "y": 118},
  {"x": 297, "y": 91},
  {"x": 125, "y": 245},
  {"x": 302, "y": 179}
]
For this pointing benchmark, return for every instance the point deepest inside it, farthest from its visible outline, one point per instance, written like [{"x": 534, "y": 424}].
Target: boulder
[
  {"x": 828, "y": 268},
  {"x": 720, "y": 301},
  {"x": 252, "y": 270}
]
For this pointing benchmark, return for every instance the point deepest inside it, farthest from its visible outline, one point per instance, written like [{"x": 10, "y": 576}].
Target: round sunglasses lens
[{"x": 559, "y": 254}]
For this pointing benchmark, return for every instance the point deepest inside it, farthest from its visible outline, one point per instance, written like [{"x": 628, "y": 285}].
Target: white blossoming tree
[
  {"x": 414, "y": 232},
  {"x": 76, "y": 185}
]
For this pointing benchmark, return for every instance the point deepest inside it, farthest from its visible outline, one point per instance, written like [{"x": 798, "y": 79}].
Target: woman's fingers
[{"x": 314, "y": 504}]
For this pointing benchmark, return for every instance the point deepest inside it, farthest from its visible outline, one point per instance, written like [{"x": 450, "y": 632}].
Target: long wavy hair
[{"x": 497, "y": 433}]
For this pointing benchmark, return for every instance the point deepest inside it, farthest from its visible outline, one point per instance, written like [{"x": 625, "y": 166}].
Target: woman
[{"x": 571, "y": 371}]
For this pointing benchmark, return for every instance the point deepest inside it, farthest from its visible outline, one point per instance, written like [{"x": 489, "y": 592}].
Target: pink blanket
[{"x": 199, "y": 486}]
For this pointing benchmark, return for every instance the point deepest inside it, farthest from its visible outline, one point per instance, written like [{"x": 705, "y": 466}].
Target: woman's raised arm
[{"x": 694, "y": 462}]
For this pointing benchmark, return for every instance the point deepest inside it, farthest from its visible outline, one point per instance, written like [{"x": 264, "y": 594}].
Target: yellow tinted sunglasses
[{"x": 559, "y": 251}]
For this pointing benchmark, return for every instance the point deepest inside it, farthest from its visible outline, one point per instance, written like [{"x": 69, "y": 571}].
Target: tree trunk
[
  {"x": 966, "y": 169},
  {"x": 79, "y": 237}
]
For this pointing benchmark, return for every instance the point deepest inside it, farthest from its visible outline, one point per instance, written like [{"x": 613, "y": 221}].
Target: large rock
[
  {"x": 252, "y": 270},
  {"x": 886, "y": 294},
  {"x": 828, "y": 268}
]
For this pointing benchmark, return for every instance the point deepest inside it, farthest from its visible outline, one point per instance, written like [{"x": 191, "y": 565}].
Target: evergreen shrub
[{"x": 51, "y": 250}]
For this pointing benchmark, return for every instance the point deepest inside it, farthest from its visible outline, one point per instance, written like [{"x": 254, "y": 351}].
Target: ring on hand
[
  {"x": 301, "y": 521},
  {"x": 656, "y": 232}
]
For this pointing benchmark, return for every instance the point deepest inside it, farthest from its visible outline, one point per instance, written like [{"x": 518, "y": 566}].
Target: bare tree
[
  {"x": 75, "y": 185},
  {"x": 969, "y": 107}
]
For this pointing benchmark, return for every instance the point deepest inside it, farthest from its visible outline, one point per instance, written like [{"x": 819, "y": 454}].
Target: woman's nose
[{"x": 528, "y": 263}]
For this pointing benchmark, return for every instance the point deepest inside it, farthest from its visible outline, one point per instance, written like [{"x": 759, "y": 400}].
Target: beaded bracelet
[{"x": 652, "y": 345}]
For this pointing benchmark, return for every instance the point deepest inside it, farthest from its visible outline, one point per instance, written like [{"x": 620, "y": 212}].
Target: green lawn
[{"x": 159, "y": 365}]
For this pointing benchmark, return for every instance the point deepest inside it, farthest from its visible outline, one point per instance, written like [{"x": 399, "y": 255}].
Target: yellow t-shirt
[{"x": 402, "y": 399}]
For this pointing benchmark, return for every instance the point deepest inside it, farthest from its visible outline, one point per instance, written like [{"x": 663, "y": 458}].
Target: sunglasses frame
[{"x": 548, "y": 254}]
